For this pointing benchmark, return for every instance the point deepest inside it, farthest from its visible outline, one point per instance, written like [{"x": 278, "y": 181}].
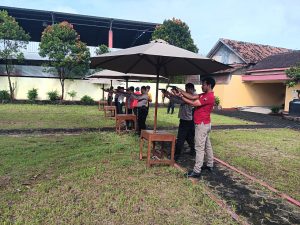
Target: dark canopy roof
[
  {"x": 283, "y": 60},
  {"x": 92, "y": 30}
]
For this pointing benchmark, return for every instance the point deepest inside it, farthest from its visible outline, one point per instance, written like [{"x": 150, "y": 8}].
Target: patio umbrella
[
  {"x": 110, "y": 74},
  {"x": 159, "y": 58}
]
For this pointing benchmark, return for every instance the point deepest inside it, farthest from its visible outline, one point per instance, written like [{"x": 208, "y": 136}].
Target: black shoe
[
  {"x": 193, "y": 174},
  {"x": 176, "y": 158},
  {"x": 209, "y": 168}
]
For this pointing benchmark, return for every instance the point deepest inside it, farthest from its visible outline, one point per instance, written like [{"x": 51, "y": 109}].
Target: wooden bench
[
  {"x": 101, "y": 105},
  {"x": 110, "y": 111},
  {"x": 120, "y": 118},
  {"x": 158, "y": 136}
]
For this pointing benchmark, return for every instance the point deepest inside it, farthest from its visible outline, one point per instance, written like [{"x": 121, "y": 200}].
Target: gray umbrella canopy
[
  {"x": 159, "y": 58},
  {"x": 110, "y": 74}
]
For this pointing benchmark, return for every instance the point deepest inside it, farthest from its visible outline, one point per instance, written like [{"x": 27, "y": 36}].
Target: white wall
[{"x": 82, "y": 87}]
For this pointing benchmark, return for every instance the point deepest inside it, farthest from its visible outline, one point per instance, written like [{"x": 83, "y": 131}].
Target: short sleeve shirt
[{"x": 202, "y": 113}]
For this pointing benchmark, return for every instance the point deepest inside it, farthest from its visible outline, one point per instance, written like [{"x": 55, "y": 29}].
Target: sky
[{"x": 270, "y": 22}]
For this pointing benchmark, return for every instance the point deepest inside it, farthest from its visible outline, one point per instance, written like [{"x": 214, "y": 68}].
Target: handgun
[
  {"x": 173, "y": 88},
  {"x": 162, "y": 90}
]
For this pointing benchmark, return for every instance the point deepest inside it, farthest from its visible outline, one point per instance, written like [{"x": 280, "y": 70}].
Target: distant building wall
[
  {"x": 240, "y": 94},
  {"x": 226, "y": 56},
  {"x": 82, "y": 87}
]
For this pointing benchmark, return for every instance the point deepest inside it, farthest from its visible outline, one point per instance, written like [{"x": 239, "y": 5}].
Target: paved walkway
[{"x": 269, "y": 121}]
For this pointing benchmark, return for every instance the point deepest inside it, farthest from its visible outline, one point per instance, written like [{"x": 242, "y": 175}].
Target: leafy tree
[
  {"x": 68, "y": 56},
  {"x": 12, "y": 39},
  {"x": 177, "y": 33},
  {"x": 102, "y": 49},
  {"x": 294, "y": 74}
]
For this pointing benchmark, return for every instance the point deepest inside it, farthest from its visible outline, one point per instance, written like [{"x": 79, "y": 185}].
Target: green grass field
[
  {"x": 272, "y": 155},
  {"x": 93, "y": 179},
  {"x": 25, "y": 116}
]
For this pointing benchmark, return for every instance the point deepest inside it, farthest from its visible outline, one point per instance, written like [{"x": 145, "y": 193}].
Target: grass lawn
[
  {"x": 93, "y": 179},
  {"x": 273, "y": 155},
  {"x": 25, "y": 116}
]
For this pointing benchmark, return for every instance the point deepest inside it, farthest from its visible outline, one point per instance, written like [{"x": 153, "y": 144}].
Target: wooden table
[
  {"x": 110, "y": 111},
  {"x": 101, "y": 105},
  {"x": 123, "y": 118},
  {"x": 158, "y": 136}
]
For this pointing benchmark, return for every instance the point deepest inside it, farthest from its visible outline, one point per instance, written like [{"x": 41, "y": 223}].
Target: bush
[
  {"x": 217, "y": 101},
  {"x": 275, "y": 109},
  {"x": 72, "y": 94},
  {"x": 32, "y": 94},
  {"x": 4, "y": 96},
  {"x": 53, "y": 95},
  {"x": 87, "y": 100}
]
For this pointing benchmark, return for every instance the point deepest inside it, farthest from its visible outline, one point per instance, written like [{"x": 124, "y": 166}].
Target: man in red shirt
[{"x": 203, "y": 104}]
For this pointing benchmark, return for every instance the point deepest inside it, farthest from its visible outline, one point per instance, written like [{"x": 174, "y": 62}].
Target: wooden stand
[
  {"x": 102, "y": 104},
  {"x": 110, "y": 111},
  {"x": 123, "y": 118},
  {"x": 159, "y": 136}
]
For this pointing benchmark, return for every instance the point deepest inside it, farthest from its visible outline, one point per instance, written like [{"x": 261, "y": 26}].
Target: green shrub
[
  {"x": 275, "y": 109},
  {"x": 217, "y": 101},
  {"x": 4, "y": 96},
  {"x": 53, "y": 95},
  {"x": 32, "y": 94},
  {"x": 72, "y": 94},
  {"x": 87, "y": 100}
]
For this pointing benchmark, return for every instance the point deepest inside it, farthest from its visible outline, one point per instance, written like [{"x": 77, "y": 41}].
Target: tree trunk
[
  {"x": 62, "y": 82},
  {"x": 11, "y": 89}
]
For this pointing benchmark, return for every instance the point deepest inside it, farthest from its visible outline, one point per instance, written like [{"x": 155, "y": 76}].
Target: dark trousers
[
  {"x": 186, "y": 132},
  {"x": 142, "y": 115},
  {"x": 109, "y": 100},
  {"x": 119, "y": 107},
  {"x": 171, "y": 107},
  {"x": 129, "y": 124}
]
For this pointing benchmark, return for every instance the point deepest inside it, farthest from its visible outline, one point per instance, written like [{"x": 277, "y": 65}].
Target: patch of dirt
[
  {"x": 5, "y": 181},
  {"x": 249, "y": 200}
]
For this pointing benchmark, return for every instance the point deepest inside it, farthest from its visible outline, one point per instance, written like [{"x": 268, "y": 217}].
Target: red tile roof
[{"x": 251, "y": 52}]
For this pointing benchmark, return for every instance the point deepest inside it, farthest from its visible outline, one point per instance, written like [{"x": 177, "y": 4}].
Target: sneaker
[
  {"x": 192, "y": 174},
  {"x": 209, "y": 168}
]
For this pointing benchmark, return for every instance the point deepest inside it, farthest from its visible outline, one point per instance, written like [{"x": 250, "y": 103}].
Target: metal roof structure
[{"x": 93, "y": 30}]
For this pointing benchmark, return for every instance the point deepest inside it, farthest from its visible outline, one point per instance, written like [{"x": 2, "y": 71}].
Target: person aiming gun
[
  {"x": 186, "y": 129},
  {"x": 203, "y": 104}
]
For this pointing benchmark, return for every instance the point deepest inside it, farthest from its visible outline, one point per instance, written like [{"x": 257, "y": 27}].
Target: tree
[
  {"x": 294, "y": 74},
  {"x": 176, "y": 33},
  {"x": 12, "y": 39},
  {"x": 102, "y": 49},
  {"x": 68, "y": 56}
]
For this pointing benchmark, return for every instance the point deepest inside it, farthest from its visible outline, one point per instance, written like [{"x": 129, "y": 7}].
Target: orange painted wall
[{"x": 239, "y": 94}]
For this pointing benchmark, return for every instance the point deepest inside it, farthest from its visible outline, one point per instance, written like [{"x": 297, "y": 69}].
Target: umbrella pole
[
  {"x": 156, "y": 103},
  {"x": 126, "y": 103}
]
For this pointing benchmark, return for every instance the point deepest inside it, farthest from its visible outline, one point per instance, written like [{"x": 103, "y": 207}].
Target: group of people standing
[
  {"x": 134, "y": 100},
  {"x": 195, "y": 123},
  {"x": 194, "y": 117}
]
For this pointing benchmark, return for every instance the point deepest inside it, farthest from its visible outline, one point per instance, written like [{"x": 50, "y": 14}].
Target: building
[
  {"x": 94, "y": 31},
  {"x": 243, "y": 85}
]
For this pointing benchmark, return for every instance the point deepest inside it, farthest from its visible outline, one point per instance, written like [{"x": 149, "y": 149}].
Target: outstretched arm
[
  {"x": 195, "y": 103},
  {"x": 188, "y": 95}
]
